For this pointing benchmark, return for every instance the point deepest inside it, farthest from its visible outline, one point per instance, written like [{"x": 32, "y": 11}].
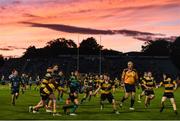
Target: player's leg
[
  {"x": 36, "y": 108},
  {"x": 90, "y": 95},
  {"x": 125, "y": 97},
  {"x": 132, "y": 100},
  {"x": 141, "y": 95},
  {"x": 52, "y": 97},
  {"x": 85, "y": 97},
  {"x": 67, "y": 106},
  {"x": 61, "y": 95},
  {"x": 174, "y": 105},
  {"x": 22, "y": 88},
  {"x": 17, "y": 94},
  {"x": 102, "y": 99},
  {"x": 113, "y": 102},
  {"x": 151, "y": 97},
  {"x": 75, "y": 106},
  {"x": 13, "y": 97},
  {"x": 162, "y": 103},
  {"x": 146, "y": 101},
  {"x": 58, "y": 96}
]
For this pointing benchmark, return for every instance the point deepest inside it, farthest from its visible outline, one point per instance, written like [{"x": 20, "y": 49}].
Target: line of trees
[
  {"x": 89, "y": 46},
  {"x": 62, "y": 46}
]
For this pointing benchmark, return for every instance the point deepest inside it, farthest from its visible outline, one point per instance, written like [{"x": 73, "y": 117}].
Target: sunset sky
[{"x": 35, "y": 22}]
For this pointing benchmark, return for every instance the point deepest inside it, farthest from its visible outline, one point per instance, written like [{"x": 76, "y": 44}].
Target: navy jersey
[{"x": 15, "y": 81}]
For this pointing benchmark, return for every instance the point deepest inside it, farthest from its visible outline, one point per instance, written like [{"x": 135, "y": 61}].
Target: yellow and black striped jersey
[
  {"x": 168, "y": 84},
  {"x": 51, "y": 87},
  {"x": 149, "y": 81},
  {"x": 106, "y": 88},
  {"x": 45, "y": 80}
]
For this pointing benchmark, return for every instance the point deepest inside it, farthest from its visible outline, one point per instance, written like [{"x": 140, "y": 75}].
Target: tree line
[{"x": 89, "y": 46}]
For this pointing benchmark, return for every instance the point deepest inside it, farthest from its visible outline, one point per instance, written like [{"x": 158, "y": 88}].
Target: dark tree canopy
[
  {"x": 90, "y": 44},
  {"x": 159, "y": 47},
  {"x": 1, "y": 60},
  {"x": 62, "y": 46},
  {"x": 61, "y": 43}
]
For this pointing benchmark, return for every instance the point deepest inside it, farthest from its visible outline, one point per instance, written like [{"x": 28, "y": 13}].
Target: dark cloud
[
  {"x": 81, "y": 30},
  {"x": 83, "y": 11},
  {"x": 6, "y": 49},
  {"x": 106, "y": 16},
  {"x": 16, "y": 2},
  {"x": 31, "y": 15},
  {"x": 2, "y": 7},
  {"x": 153, "y": 38},
  {"x": 11, "y": 48}
]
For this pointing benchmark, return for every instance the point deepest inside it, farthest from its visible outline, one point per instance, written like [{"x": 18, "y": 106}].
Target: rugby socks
[
  {"x": 162, "y": 106},
  {"x": 74, "y": 108},
  {"x": 89, "y": 97},
  {"x": 123, "y": 99},
  {"x": 132, "y": 102},
  {"x": 175, "y": 111}
]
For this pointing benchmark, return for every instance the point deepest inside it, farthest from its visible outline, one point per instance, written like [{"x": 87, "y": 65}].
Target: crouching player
[
  {"x": 169, "y": 86},
  {"x": 105, "y": 89},
  {"x": 15, "y": 85},
  {"x": 47, "y": 92},
  {"x": 149, "y": 84}
]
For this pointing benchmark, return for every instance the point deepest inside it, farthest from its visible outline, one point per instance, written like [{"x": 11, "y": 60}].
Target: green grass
[{"x": 88, "y": 110}]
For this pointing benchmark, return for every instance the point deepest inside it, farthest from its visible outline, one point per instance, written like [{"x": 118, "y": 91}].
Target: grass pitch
[{"x": 88, "y": 110}]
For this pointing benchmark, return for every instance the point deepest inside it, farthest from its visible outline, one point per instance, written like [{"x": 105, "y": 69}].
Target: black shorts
[
  {"x": 130, "y": 88},
  {"x": 116, "y": 86},
  {"x": 43, "y": 95},
  {"x": 149, "y": 92},
  {"x": 14, "y": 90},
  {"x": 168, "y": 95},
  {"x": 108, "y": 96},
  {"x": 72, "y": 97},
  {"x": 142, "y": 88}
]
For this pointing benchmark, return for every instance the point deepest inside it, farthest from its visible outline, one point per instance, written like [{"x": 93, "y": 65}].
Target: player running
[
  {"x": 47, "y": 92},
  {"x": 169, "y": 86},
  {"x": 74, "y": 87},
  {"x": 15, "y": 81},
  {"x": 105, "y": 88},
  {"x": 149, "y": 84},
  {"x": 129, "y": 78},
  {"x": 88, "y": 89}
]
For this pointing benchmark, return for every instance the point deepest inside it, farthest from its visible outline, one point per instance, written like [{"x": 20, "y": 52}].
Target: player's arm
[
  {"x": 175, "y": 85},
  {"x": 137, "y": 79},
  {"x": 97, "y": 90},
  {"x": 160, "y": 84},
  {"x": 144, "y": 84},
  {"x": 123, "y": 77}
]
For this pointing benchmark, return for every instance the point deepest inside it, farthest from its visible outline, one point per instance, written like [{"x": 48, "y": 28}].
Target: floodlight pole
[
  {"x": 78, "y": 54},
  {"x": 100, "y": 59}
]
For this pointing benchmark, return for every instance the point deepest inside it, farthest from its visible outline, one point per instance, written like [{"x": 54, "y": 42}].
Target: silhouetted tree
[
  {"x": 1, "y": 60},
  {"x": 90, "y": 46},
  {"x": 30, "y": 52},
  {"x": 159, "y": 47},
  {"x": 61, "y": 43},
  {"x": 176, "y": 52}
]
